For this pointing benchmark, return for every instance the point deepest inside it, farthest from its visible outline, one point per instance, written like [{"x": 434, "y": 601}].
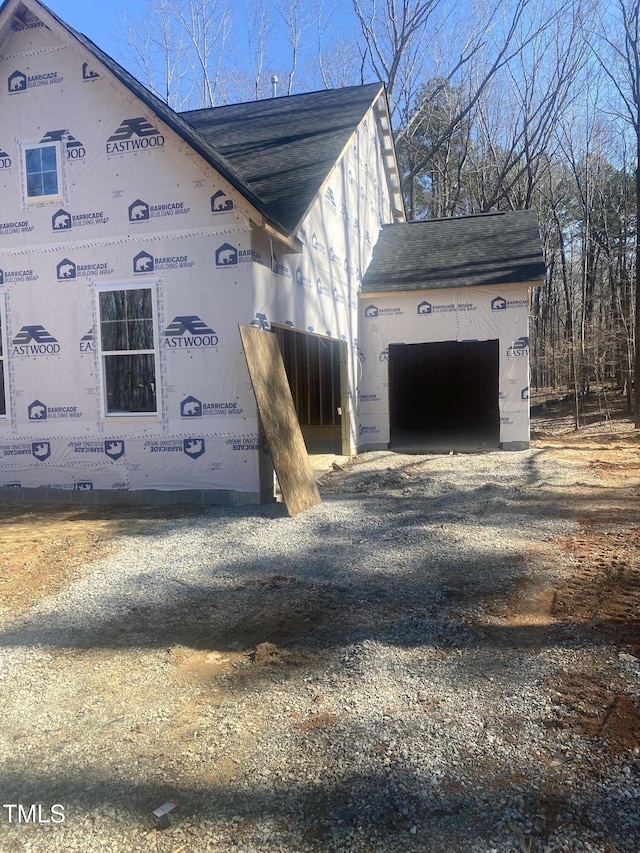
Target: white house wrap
[{"x": 134, "y": 240}]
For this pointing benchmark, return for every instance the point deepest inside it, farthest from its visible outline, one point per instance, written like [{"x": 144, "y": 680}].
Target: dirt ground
[{"x": 44, "y": 549}]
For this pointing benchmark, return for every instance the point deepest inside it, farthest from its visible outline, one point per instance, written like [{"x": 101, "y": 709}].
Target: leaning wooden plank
[{"x": 279, "y": 419}]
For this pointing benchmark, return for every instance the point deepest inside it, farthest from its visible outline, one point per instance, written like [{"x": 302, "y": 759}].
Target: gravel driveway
[{"x": 408, "y": 666}]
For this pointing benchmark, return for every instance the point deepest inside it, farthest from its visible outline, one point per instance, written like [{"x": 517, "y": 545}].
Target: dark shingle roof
[
  {"x": 276, "y": 152},
  {"x": 492, "y": 248},
  {"x": 174, "y": 121},
  {"x": 285, "y": 147}
]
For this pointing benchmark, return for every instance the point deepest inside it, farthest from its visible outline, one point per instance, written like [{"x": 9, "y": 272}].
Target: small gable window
[{"x": 42, "y": 166}]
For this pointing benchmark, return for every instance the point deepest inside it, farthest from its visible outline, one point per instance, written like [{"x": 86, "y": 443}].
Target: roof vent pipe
[{"x": 274, "y": 86}]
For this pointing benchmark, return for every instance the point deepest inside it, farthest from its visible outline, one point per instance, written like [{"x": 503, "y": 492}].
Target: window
[
  {"x": 3, "y": 396},
  {"x": 127, "y": 346},
  {"x": 42, "y": 165}
]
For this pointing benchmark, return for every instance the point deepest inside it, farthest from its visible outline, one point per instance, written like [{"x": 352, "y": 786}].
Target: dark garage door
[{"x": 444, "y": 395}]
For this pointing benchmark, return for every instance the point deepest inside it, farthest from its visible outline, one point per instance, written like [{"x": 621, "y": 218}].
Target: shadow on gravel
[
  {"x": 397, "y": 807},
  {"x": 410, "y": 574},
  {"x": 421, "y": 607}
]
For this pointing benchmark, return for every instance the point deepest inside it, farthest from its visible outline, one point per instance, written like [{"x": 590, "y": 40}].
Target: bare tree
[
  {"x": 520, "y": 109},
  {"x": 619, "y": 34},
  {"x": 394, "y": 34},
  {"x": 156, "y": 50},
  {"x": 180, "y": 46},
  {"x": 259, "y": 36},
  {"x": 482, "y": 64},
  {"x": 297, "y": 18}
]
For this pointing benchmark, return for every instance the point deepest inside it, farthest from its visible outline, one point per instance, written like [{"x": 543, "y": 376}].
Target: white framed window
[
  {"x": 43, "y": 177},
  {"x": 127, "y": 342}
]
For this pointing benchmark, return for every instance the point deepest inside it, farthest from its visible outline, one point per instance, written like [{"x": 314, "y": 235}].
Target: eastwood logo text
[
  {"x": 35, "y": 340},
  {"x": 75, "y": 150},
  {"x": 140, "y": 211},
  {"x": 519, "y": 348},
  {"x": 189, "y": 332},
  {"x": 20, "y": 82},
  {"x": 134, "y": 134},
  {"x": 15, "y": 276},
  {"x": 62, "y": 220},
  {"x": 5, "y": 160},
  {"x": 330, "y": 200},
  {"x": 87, "y": 343}
]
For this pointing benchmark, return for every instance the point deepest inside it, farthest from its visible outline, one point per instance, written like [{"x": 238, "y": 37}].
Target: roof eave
[
  {"x": 257, "y": 212},
  {"x": 402, "y": 288}
]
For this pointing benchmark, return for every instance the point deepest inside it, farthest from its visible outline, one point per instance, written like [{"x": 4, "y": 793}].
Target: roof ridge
[{"x": 314, "y": 92}]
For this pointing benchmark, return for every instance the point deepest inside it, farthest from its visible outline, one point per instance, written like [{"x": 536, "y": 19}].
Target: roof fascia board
[
  {"x": 369, "y": 294},
  {"x": 291, "y": 242},
  {"x": 389, "y": 155},
  {"x": 254, "y": 207}
]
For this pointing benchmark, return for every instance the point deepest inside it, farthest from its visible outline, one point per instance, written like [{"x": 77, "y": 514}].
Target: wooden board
[{"x": 279, "y": 419}]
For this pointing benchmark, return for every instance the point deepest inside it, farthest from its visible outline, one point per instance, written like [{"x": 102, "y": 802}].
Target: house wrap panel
[
  {"x": 453, "y": 314},
  {"x": 136, "y": 208},
  {"x": 317, "y": 290}
]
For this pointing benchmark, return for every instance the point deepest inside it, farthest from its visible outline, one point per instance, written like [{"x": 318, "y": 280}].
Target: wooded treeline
[{"x": 522, "y": 104}]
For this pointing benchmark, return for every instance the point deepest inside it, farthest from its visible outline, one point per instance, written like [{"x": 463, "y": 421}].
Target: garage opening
[
  {"x": 317, "y": 374},
  {"x": 444, "y": 396}
]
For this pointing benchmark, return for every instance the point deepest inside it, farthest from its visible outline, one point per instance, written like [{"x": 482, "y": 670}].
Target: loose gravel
[{"x": 336, "y": 681}]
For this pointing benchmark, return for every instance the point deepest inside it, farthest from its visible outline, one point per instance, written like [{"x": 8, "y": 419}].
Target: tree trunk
[{"x": 636, "y": 377}]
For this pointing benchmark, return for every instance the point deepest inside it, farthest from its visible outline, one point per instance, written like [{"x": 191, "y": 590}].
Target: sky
[
  {"x": 102, "y": 22},
  {"x": 98, "y": 20}
]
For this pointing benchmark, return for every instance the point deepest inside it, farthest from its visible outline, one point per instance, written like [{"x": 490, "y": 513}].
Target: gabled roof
[
  {"x": 164, "y": 112},
  {"x": 285, "y": 147},
  {"x": 276, "y": 153},
  {"x": 466, "y": 251}
]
